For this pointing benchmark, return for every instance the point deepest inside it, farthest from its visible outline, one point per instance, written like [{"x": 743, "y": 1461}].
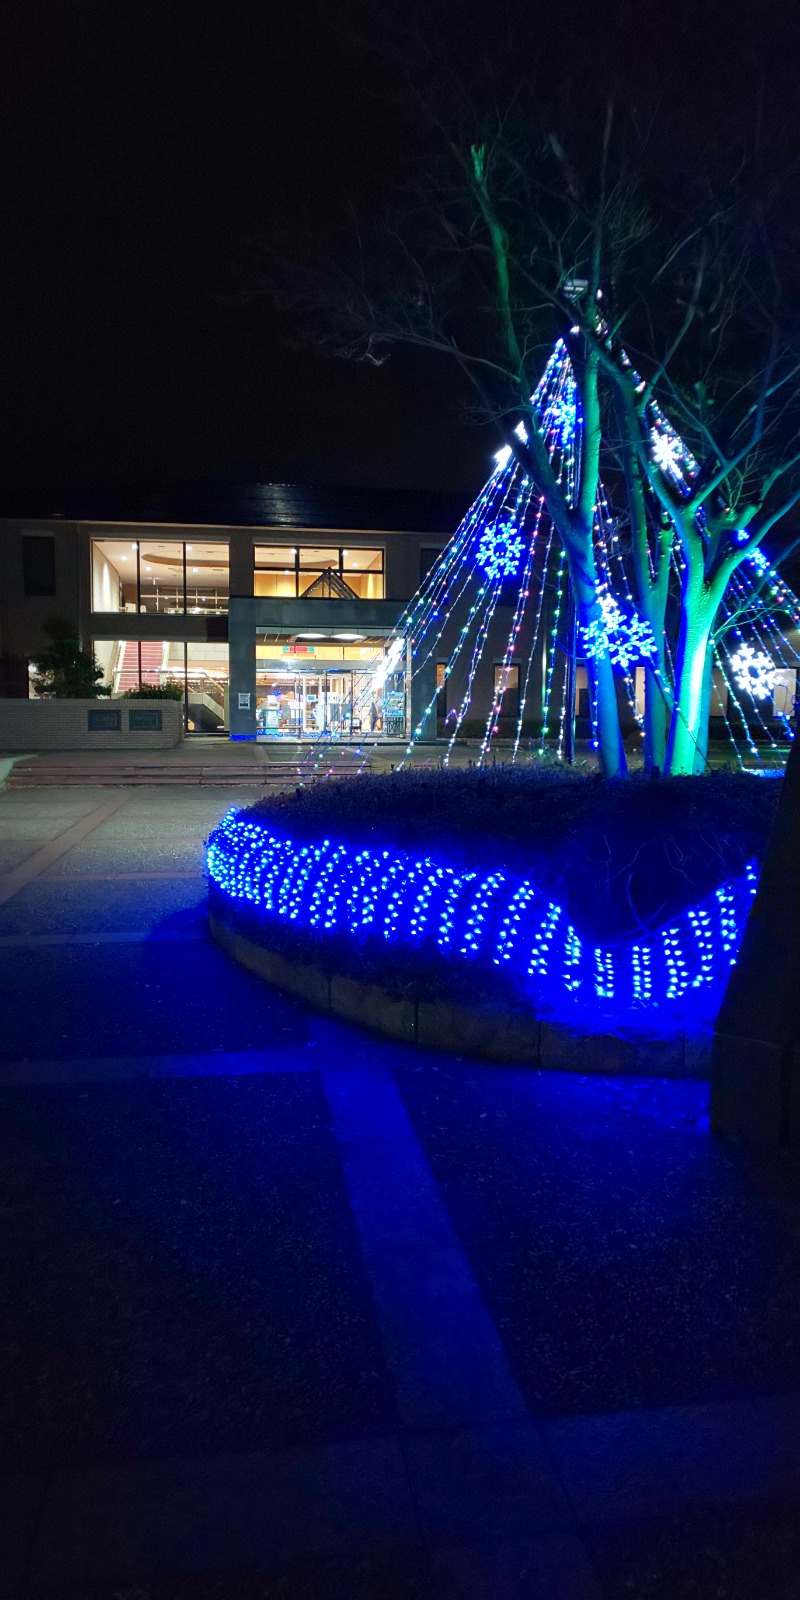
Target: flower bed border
[{"x": 494, "y": 1032}]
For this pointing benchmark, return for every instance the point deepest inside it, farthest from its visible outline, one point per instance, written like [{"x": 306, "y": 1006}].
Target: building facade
[
  {"x": 269, "y": 607},
  {"x": 273, "y": 610}
]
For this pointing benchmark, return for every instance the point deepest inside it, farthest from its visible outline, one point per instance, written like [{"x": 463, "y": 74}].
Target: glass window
[
  {"x": 362, "y": 561},
  {"x": 277, "y": 585},
  {"x": 285, "y": 570},
  {"x": 198, "y": 670},
  {"x": 308, "y": 580},
  {"x": 319, "y": 556},
  {"x": 506, "y": 682},
  {"x": 160, "y": 576},
  {"x": 275, "y": 555},
  {"x": 114, "y": 563},
  {"x": 366, "y": 585},
  {"x": 207, "y": 577},
  {"x": 206, "y": 688},
  {"x": 39, "y": 563}
]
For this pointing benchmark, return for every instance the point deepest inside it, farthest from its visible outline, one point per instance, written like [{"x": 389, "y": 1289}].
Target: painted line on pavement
[
  {"x": 443, "y": 1352},
  {"x": 21, "y": 876}
]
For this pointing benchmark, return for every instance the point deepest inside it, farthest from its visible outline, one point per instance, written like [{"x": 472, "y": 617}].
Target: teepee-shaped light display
[{"x": 506, "y": 548}]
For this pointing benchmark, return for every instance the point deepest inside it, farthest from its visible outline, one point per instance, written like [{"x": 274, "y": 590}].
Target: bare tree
[{"x": 681, "y": 336}]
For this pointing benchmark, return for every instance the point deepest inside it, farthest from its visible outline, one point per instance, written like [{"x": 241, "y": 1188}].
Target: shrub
[
  {"x": 620, "y": 856},
  {"x": 152, "y": 691},
  {"x": 64, "y": 671}
]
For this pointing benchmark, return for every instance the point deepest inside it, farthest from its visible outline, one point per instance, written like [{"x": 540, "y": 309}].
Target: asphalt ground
[{"x": 286, "y": 1310}]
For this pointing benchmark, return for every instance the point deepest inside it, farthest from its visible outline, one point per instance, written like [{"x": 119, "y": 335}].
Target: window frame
[
  {"x": 184, "y": 609},
  {"x": 309, "y": 573}
]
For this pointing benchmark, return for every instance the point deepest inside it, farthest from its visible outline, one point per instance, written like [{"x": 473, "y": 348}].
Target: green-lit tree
[
  {"x": 671, "y": 298},
  {"x": 65, "y": 671}
]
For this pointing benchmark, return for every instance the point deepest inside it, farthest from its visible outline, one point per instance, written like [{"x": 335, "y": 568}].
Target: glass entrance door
[{"x": 339, "y": 704}]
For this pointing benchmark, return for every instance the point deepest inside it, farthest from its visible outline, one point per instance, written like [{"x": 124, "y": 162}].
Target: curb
[{"x": 489, "y": 1033}]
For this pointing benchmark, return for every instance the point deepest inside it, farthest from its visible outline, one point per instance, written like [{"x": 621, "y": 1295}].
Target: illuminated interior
[
  {"x": 289, "y": 572},
  {"x": 316, "y": 683},
  {"x": 170, "y": 577},
  {"x": 199, "y": 669}
]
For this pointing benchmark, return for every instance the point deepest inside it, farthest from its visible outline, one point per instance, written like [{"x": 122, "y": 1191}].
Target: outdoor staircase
[{"x": 39, "y": 772}]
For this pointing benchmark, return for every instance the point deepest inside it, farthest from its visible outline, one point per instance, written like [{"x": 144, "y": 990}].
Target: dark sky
[{"x": 145, "y": 140}]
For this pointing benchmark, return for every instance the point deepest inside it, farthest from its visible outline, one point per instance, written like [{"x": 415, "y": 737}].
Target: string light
[
  {"x": 507, "y": 537},
  {"x": 493, "y": 919}
]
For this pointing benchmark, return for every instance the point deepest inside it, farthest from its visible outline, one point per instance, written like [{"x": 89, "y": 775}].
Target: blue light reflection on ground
[{"x": 667, "y": 978}]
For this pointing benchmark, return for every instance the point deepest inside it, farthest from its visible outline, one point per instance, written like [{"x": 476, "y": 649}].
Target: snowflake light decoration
[
  {"x": 755, "y": 672},
  {"x": 500, "y": 550},
  {"x": 667, "y": 452},
  {"x": 622, "y": 636}
]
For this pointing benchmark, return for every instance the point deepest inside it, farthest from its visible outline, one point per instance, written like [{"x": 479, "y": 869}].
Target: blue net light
[{"x": 495, "y": 919}]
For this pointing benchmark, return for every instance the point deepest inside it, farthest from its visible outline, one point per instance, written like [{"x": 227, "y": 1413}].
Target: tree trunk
[
  {"x": 655, "y": 723},
  {"x": 602, "y": 687},
  {"x": 690, "y": 674},
  {"x": 610, "y": 749},
  {"x": 701, "y": 752}
]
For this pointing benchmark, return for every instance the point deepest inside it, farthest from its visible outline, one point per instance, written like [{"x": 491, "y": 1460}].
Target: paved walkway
[{"x": 286, "y": 1311}]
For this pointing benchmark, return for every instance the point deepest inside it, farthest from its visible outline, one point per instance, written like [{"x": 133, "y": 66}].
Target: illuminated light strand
[
  {"x": 477, "y": 655},
  {"x": 493, "y": 718},
  {"x": 726, "y": 719},
  {"x": 764, "y": 726},
  {"x": 456, "y": 652},
  {"x": 534, "y": 640},
  {"x": 336, "y": 889},
  {"x": 754, "y": 750},
  {"x": 552, "y": 659},
  {"x": 424, "y": 610},
  {"x": 555, "y": 408},
  {"x": 609, "y": 546}
]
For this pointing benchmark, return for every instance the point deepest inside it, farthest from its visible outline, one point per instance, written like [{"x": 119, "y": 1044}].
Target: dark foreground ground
[{"x": 289, "y": 1313}]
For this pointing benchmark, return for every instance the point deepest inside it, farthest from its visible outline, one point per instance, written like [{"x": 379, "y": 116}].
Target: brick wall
[{"x": 29, "y": 725}]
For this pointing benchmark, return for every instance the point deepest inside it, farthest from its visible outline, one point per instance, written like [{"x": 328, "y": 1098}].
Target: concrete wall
[
  {"x": 22, "y": 617},
  {"x": 30, "y": 725}
]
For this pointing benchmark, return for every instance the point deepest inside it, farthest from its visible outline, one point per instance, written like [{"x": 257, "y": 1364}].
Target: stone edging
[{"x": 491, "y": 1033}]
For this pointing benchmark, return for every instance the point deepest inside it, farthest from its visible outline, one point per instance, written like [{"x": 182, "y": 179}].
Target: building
[
  {"x": 267, "y": 603},
  {"x": 272, "y": 607}
]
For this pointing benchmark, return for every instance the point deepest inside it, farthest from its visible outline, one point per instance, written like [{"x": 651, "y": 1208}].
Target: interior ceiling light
[
  {"x": 348, "y": 638},
  {"x": 310, "y": 636}
]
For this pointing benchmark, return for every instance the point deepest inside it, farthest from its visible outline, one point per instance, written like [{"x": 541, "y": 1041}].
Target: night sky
[{"x": 147, "y": 142}]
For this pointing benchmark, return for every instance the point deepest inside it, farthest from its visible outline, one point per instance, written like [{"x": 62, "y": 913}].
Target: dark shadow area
[
  {"x": 628, "y": 1258},
  {"x": 183, "y": 1273}
]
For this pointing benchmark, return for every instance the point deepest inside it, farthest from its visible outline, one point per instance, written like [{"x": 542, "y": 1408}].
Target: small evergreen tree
[{"x": 63, "y": 670}]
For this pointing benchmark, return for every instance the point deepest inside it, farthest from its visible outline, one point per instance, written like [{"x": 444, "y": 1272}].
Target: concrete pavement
[{"x": 290, "y": 1311}]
